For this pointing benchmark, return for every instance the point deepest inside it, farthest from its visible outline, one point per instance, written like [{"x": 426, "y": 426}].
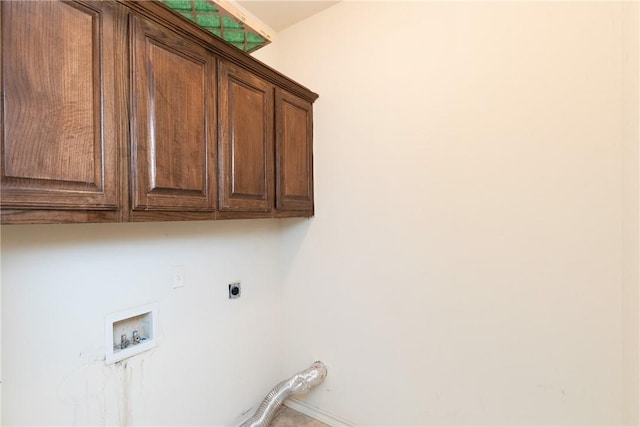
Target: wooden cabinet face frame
[
  {"x": 173, "y": 122},
  {"x": 245, "y": 145},
  {"x": 58, "y": 145}
]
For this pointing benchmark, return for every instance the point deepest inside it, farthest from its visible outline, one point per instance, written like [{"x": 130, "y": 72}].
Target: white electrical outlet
[
  {"x": 178, "y": 276},
  {"x": 234, "y": 290}
]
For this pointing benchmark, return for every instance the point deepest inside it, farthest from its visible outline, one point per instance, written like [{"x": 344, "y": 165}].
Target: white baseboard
[{"x": 316, "y": 413}]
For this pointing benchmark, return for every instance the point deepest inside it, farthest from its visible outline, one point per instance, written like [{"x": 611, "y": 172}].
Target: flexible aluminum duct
[{"x": 300, "y": 383}]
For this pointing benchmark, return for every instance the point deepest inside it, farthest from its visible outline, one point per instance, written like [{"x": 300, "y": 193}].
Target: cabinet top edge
[{"x": 221, "y": 49}]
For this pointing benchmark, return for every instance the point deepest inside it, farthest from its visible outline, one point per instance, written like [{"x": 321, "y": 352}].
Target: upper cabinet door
[
  {"x": 58, "y": 144},
  {"x": 246, "y": 141},
  {"x": 173, "y": 121},
  {"x": 294, "y": 153}
]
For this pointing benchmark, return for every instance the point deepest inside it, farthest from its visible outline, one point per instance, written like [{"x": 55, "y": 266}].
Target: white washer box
[{"x": 120, "y": 342}]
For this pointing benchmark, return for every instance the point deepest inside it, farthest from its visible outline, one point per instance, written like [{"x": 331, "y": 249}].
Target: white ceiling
[{"x": 281, "y": 14}]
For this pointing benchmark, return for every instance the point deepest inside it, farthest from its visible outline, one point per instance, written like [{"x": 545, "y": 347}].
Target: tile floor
[{"x": 290, "y": 418}]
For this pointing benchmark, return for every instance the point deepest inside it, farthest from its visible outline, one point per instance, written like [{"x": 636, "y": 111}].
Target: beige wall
[
  {"x": 465, "y": 264},
  {"x": 631, "y": 212},
  {"x": 215, "y": 360}
]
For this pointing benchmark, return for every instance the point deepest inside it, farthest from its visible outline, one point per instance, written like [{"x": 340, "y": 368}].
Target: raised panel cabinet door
[
  {"x": 173, "y": 121},
  {"x": 246, "y": 141},
  {"x": 294, "y": 153},
  {"x": 58, "y": 147}
]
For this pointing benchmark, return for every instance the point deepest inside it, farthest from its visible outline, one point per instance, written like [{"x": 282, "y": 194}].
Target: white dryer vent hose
[{"x": 300, "y": 383}]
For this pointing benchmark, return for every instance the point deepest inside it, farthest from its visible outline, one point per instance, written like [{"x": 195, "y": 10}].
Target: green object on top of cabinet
[{"x": 215, "y": 19}]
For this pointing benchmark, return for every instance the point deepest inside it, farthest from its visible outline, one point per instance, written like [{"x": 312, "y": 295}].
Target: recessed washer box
[{"x": 130, "y": 332}]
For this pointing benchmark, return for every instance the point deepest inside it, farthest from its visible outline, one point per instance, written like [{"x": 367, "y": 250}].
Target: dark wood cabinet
[
  {"x": 173, "y": 121},
  {"x": 59, "y": 145},
  {"x": 126, "y": 111},
  {"x": 294, "y": 153},
  {"x": 246, "y": 141}
]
